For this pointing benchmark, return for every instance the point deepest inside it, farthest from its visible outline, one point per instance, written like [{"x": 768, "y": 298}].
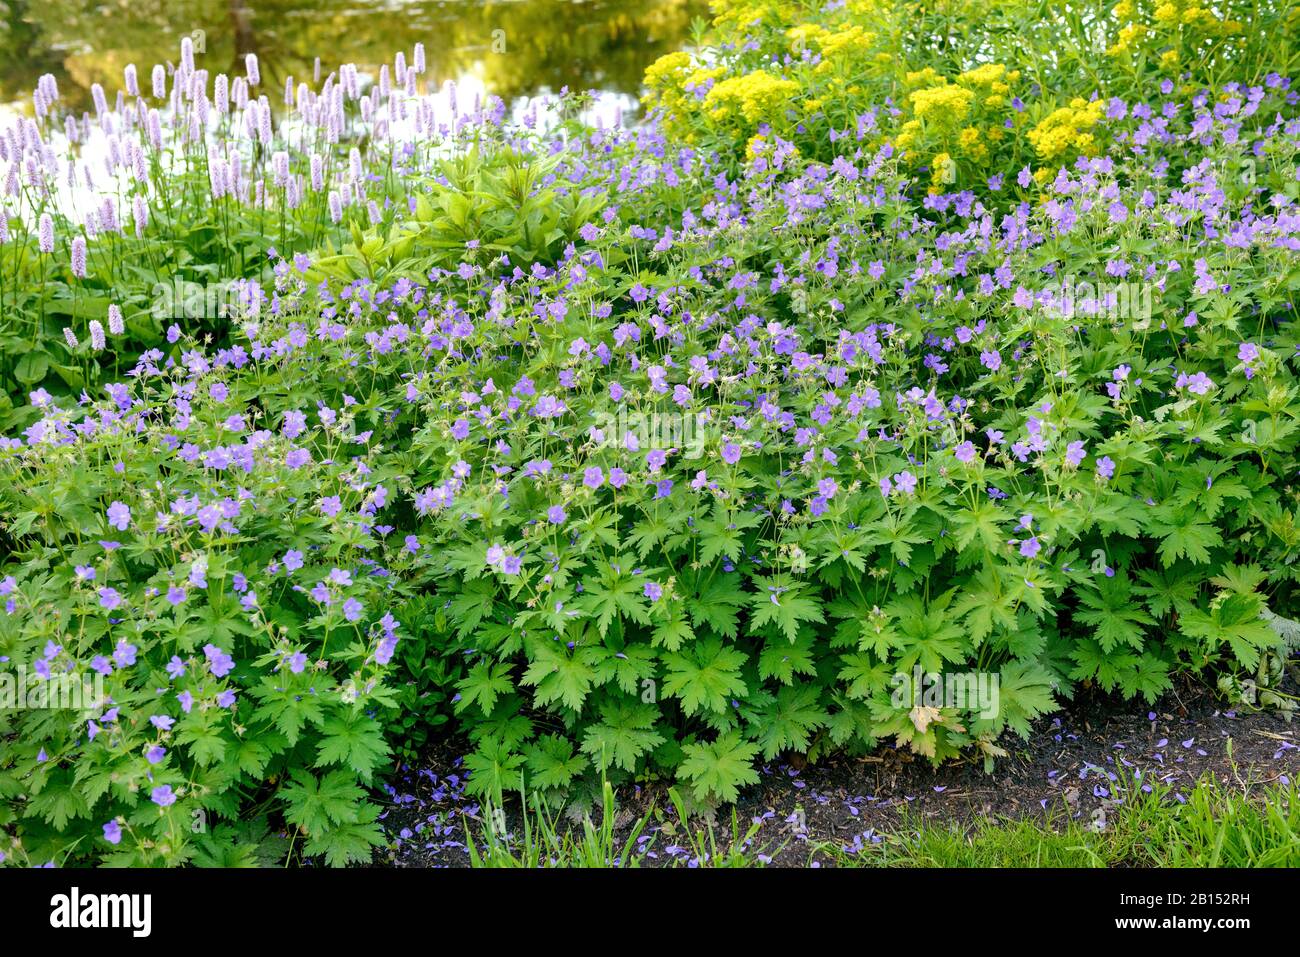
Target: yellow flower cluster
[
  {"x": 666, "y": 70},
  {"x": 755, "y": 96},
  {"x": 944, "y": 105},
  {"x": 991, "y": 80},
  {"x": 851, "y": 39},
  {"x": 908, "y": 134},
  {"x": 988, "y": 75},
  {"x": 972, "y": 144},
  {"x": 804, "y": 66},
  {"x": 845, "y": 44},
  {"x": 1128, "y": 37},
  {"x": 954, "y": 116},
  {"x": 730, "y": 15},
  {"x": 664, "y": 80},
  {"x": 1067, "y": 128},
  {"x": 697, "y": 82},
  {"x": 676, "y": 85},
  {"x": 1169, "y": 20},
  {"x": 927, "y": 77}
]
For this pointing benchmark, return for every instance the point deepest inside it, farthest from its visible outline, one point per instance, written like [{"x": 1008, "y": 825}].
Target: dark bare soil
[{"x": 1069, "y": 767}]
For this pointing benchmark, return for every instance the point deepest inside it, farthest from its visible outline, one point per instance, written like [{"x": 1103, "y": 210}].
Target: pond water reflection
[{"x": 512, "y": 49}]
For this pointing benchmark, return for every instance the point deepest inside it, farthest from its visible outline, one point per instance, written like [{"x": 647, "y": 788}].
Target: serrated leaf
[{"x": 718, "y": 770}]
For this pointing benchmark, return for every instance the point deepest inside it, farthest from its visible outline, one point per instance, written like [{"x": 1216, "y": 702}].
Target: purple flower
[
  {"x": 731, "y": 453},
  {"x": 965, "y": 452},
  {"x": 352, "y": 609},
  {"x": 113, "y": 832},
  {"x": 219, "y": 663},
  {"x": 555, "y": 515},
  {"x": 109, "y": 598},
  {"x": 1105, "y": 467},
  {"x": 155, "y": 754},
  {"x": 119, "y": 516},
  {"x": 45, "y": 233},
  {"x": 163, "y": 795},
  {"x": 593, "y": 477},
  {"x": 653, "y": 590}
]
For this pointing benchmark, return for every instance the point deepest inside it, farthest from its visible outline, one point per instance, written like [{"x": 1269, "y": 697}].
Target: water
[{"x": 512, "y": 49}]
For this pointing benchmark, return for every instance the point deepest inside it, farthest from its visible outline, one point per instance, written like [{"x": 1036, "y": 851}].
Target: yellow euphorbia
[
  {"x": 907, "y": 134},
  {"x": 927, "y": 77},
  {"x": 1166, "y": 13},
  {"x": 733, "y": 14},
  {"x": 987, "y": 75},
  {"x": 946, "y": 105},
  {"x": 1066, "y": 128},
  {"x": 848, "y": 40},
  {"x": 665, "y": 70},
  {"x": 699, "y": 79},
  {"x": 755, "y": 96},
  {"x": 972, "y": 144},
  {"x": 1128, "y": 36}
]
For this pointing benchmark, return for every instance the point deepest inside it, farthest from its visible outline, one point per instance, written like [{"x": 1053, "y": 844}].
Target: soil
[{"x": 1068, "y": 766}]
